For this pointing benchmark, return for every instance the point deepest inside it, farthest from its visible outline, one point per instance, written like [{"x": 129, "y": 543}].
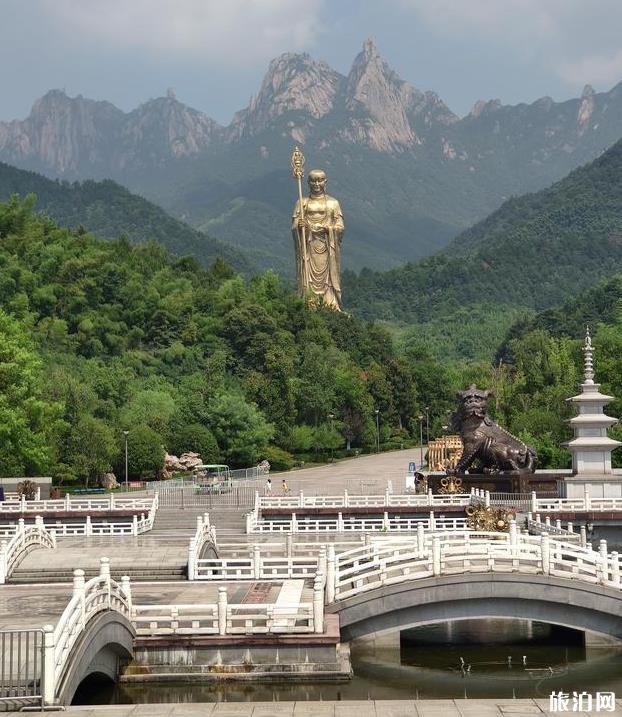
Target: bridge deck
[{"x": 352, "y": 708}]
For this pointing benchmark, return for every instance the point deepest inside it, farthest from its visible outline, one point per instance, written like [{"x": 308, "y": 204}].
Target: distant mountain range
[
  {"x": 409, "y": 173},
  {"x": 533, "y": 253},
  {"x": 110, "y": 211}
]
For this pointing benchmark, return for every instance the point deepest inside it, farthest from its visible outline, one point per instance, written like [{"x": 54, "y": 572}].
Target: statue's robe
[{"x": 318, "y": 248}]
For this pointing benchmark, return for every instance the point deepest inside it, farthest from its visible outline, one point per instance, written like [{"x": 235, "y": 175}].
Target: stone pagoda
[{"x": 591, "y": 446}]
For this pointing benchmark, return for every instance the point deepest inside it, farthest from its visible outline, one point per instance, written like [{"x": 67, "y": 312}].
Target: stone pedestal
[{"x": 597, "y": 485}]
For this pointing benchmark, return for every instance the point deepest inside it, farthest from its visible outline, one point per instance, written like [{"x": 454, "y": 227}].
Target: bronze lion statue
[{"x": 485, "y": 442}]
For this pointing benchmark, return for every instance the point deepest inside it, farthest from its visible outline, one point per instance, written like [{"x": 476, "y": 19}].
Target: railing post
[
  {"x": 558, "y": 524},
  {"x": 487, "y": 499},
  {"x": 289, "y": 540},
  {"x": 257, "y": 500},
  {"x": 67, "y": 502},
  {"x": 346, "y": 498},
  {"x": 206, "y": 520},
  {"x": 21, "y": 526},
  {"x": 134, "y": 524},
  {"x": 615, "y": 569},
  {"x": 78, "y": 590},
  {"x": 570, "y": 527},
  {"x": 386, "y": 525},
  {"x": 249, "y": 523},
  {"x": 3, "y": 562},
  {"x": 192, "y": 547},
  {"x": 321, "y": 561},
  {"x": 222, "y": 610},
  {"x": 39, "y": 522},
  {"x": 301, "y": 499},
  {"x": 547, "y": 521},
  {"x": 318, "y": 604},
  {"x": 126, "y": 589},
  {"x": 545, "y": 554},
  {"x": 432, "y": 521},
  {"x": 340, "y": 526},
  {"x": 294, "y": 523},
  {"x": 583, "y": 533},
  {"x": 436, "y": 556},
  {"x": 331, "y": 573},
  {"x": 104, "y": 567},
  {"x": 534, "y": 502},
  {"x": 420, "y": 539},
  {"x": 513, "y": 533},
  {"x": 387, "y": 496},
  {"x": 49, "y": 646},
  {"x": 112, "y": 501},
  {"x": 88, "y": 526},
  {"x": 256, "y": 562},
  {"x": 604, "y": 561},
  {"x": 38, "y": 493},
  {"x": 23, "y": 503},
  {"x": 430, "y": 497},
  {"x": 199, "y": 523},
  {"x": 390, "y": 486},
  {"x": 586, "y": 499}
]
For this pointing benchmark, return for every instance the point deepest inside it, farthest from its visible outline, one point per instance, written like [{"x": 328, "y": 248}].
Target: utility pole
[
  {"x": 377, "y": 412},
  {"x": 127, "y": 486}
]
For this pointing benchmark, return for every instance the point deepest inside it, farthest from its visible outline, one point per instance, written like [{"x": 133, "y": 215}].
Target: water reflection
[{"x": 468, "y": 658}]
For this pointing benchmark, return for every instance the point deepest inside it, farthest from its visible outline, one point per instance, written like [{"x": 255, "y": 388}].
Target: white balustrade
[
  {"x": 348, "y": 500},
  {"x": 389, "y": 561},
  {"x": 81, "y": 505},
  {"x": 99, "y": 594},
  {"x": 24, "y": 540}
]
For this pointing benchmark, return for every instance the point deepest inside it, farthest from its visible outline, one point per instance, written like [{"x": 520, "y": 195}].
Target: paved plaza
[{"x": 353, "y": 708}]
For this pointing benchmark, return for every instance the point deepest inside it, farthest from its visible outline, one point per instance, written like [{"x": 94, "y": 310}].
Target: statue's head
[
  {"x": 473, "y": 401},
  {"x": 317, "y": 181}
]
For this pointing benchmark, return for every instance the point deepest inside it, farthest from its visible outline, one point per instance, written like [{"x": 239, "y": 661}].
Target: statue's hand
[{"x": 301, "y": 223}]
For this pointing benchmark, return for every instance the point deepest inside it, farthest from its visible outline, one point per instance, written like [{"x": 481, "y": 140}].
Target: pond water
[{"x": 467, "y": 658}]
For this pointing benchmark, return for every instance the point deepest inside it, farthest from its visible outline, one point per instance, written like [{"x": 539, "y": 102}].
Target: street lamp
[
  {"x": 420, "y": 442},
  {"x": 331, "y": 416},
  {"x": 377, "y": 412},
  {"x": 427, "y": 425},
  {"x": 126, "y": 480}
]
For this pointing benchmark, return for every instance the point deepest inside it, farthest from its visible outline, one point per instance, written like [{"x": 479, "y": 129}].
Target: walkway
[{"x": 352, "y": 708}]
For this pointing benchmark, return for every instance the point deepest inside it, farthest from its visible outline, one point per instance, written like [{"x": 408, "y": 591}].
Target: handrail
[
  {"x": 99, "y": 594},
  {"x": 387, "y": 562},
  {"x": 69, "y": 504},
  {"x": 347, "y": 500},
  {"x": 25, "y": 539},
  {"x": 205, "y": 535}
]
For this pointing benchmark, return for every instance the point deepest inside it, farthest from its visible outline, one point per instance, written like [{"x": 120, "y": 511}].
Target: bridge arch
[
  {"x": 558, "y": 601},
  {"x": 107, "y": 641}
]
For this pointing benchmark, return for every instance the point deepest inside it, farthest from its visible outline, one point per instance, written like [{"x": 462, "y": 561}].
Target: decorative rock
[{"x": 109, "y": 481}]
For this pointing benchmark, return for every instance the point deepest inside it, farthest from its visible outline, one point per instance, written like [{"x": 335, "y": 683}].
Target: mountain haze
[
  {"x": 110, "y": 211},
  {"x": 410, "y": 174}
]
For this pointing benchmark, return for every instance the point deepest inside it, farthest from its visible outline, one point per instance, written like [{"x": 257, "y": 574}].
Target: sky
[{"x": 214, "y": 53}]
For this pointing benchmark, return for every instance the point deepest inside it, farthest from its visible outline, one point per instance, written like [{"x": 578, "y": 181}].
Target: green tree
[{"x": 145, "y": 452}]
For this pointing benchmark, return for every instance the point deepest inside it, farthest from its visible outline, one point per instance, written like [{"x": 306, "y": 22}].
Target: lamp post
[
  {"x": 377, "y": 412},
  {"x": 125, "y": 433},
  {"x": 420, "y": 442},
  {"x": 427, "y": 424},
  {"x": 331, "y": 416}
]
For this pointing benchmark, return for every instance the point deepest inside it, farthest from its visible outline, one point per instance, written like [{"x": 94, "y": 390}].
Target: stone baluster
[
  {"x": 78, "y": 590},
  {"x": 430, "y": 497},
  {"x": 289, "y": 545},
  {"x": 256, "y": 562},
  {"x": 615, "y": 569},
  {"x": 346, "y": 499},
  {"x": 604, "y": 561},
  {"x": 570, "y": 527},
  {"x": 192, "y": 552},
  {"x": 249, "y": 523},
  {"x": 420, "y": 540},
  {"x": 340, "y": 525},
  {"x": 222, "y": 610},
  {"x": 199, "y": 523},
  {"x": 432, "y": 521},
  {"x": 386, "y": 525},
  {"x": 318, "y": 604},
  {"x": 88, "y": 526},
  {"x": 301, "y": 499},
  {"x": 487, "y": 499},
  {"x": 67, "y": 502},
  {"x": 49, "y": 665},
  {"x": 436, "y": 556},
  {"x": 331, "y": 573},
  {"x": 586, "y": 499},
  {"x": 534, "y": 502},
  {"x": 294, "y": 523},
  {"x": 134, "y": 525},
  {"x": 545, "y": 553},
  {"x": 583, "y": 533},
  {"x": 513, "y": 533}
]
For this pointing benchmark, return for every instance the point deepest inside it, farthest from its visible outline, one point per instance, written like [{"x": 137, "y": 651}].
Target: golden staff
[{"x": 297, "y": 163}]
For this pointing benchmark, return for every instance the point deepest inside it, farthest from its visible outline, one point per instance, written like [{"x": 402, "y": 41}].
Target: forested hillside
[
  {"x": 534, "y": 252},
  {"x": 109, "y": 210},
  {"x": 101, "y": 336}
]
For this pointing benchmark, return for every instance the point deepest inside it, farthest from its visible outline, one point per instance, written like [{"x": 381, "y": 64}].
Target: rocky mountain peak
[
  {"x": 373, "y": 87},
  {"x": 483, "y": 106},
  {"x": 586, "y": 109},
  {"x": 293, "y": 83}
]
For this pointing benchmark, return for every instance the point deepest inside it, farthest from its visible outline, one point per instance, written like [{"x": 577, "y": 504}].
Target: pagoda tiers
[{"x": 591, "y": 446}]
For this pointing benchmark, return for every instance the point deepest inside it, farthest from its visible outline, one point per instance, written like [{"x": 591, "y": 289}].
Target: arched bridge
[{"x": 409, "y": 582}]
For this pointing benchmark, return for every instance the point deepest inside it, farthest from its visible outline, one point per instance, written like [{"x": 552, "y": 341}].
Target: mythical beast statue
[{"x": 484, "y": 441}]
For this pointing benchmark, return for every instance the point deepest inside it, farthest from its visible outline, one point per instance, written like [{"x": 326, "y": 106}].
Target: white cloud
[
  {"x": 578, "y": 41},
  {"x": 232, "y": 32}
]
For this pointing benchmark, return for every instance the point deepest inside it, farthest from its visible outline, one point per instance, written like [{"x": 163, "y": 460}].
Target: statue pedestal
[{"x": 510, "y": 482}]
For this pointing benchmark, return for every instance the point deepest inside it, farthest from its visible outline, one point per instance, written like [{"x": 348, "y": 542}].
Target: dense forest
[
  {"x": 110, "y": 211},
  {"x": 531, "y": 254}
]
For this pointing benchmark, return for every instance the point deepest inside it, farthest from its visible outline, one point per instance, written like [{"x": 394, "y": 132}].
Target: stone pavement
[
  {"x": 355, "y": 708},
  {"x": 30, "y": 606}
]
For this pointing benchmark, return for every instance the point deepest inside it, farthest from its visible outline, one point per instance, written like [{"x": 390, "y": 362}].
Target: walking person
[
  {"x": 285, "y": 487},
  {"x": 268, "y": 487}
]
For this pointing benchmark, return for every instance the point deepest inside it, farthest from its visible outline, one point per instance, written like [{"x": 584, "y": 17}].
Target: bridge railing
[
  {"x": 347, "y": 500},
  {"x": 81, "y": 505},
  {"x": 24, "y": 540},
  {"x": 256, "y": 567},
  {"x": 99, "y": 594},
  {"x": 323, "y": 524},
  {"x": 205, "y": 535},
  {"x": 21, "y": 676},
  {"x": 387, "y": 562},
  {"x": 535, "y": 526}
]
